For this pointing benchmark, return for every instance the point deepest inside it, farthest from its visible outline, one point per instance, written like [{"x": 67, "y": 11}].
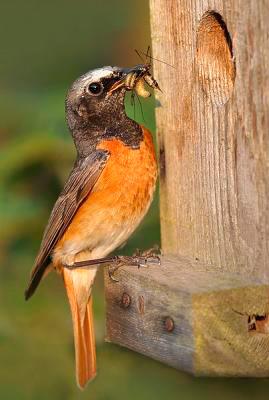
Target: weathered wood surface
[
  {"x": 213, "y": 134},
  {"x": 190, "y": 316},
  {"x": 213, "y": 129}
]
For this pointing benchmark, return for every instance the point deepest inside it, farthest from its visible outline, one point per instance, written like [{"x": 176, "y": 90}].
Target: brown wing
[{"x": 85, "y": 173}]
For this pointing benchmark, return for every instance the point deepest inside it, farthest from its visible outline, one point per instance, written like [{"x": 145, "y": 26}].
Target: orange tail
[{"x": 78, "y": 286}]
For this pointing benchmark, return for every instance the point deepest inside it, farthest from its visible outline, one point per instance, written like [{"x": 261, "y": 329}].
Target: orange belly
[{"x": 116, "y": 205}]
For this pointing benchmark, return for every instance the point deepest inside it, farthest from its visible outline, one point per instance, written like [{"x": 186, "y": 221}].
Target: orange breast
[
  {"x": 117, "y": 203},
  {"x": 130, "y": 175}
]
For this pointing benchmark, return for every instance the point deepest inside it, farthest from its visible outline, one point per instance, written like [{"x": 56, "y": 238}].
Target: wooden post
[
  {"x": 213, "y": 130},
  {"x": 213, "y": 134}
]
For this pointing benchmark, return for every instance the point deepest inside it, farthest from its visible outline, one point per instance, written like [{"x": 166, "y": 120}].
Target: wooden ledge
[{"x": 191, "y": 316}]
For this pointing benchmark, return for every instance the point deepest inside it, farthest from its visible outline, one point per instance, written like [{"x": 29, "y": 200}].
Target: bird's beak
[
  {"x": 117, "y": 85},
  {"x": 122, "y": 74}
]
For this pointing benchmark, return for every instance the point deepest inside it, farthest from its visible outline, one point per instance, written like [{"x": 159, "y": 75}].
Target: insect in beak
[{"x": 135, "y": 79}]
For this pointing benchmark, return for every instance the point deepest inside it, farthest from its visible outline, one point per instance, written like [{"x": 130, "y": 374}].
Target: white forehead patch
[
  {"x": 92, "y": 76},
  {"x": 98, "y": 74}
]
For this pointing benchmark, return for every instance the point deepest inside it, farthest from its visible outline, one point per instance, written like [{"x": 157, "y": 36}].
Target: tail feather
[{"x": 82, "y": 316}]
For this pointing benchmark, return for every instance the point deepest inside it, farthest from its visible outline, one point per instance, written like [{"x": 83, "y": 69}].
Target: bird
[{"x": 106, "y": 196}]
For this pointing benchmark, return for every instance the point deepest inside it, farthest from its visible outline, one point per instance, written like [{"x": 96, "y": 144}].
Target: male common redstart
[{"x": 104, "y": 199}]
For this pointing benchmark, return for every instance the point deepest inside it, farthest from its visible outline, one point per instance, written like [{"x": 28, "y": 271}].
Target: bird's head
[
  {"x": 89, "y": 101},
  {"x": 95, "y": 107}
]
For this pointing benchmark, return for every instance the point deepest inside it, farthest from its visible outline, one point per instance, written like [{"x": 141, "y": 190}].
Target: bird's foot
[{"x": 139, "y": 259}]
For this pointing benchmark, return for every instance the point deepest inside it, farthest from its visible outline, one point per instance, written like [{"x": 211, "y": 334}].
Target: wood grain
[
  {"x": 207, "y": 311},
  {"x": 189, "y": 316},
  {"x": 213, "y": 130}
]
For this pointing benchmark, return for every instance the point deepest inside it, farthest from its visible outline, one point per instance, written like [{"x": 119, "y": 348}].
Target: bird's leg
[
  {"x": 118, "y": 261},
  {"x": 93, "y": 262}
]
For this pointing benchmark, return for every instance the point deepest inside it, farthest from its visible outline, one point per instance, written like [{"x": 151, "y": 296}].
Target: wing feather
[{"x": 81, "y": 181}]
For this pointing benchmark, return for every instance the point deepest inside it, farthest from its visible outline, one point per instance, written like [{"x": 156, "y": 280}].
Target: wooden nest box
[{"x": 206, "y": 308}]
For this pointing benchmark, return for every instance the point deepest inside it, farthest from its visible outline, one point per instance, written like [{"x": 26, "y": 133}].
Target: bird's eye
[{"x": 95, "y": 88}]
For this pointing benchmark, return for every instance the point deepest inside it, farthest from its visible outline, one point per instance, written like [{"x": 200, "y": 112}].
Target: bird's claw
[{"x": 138, "y": 261}]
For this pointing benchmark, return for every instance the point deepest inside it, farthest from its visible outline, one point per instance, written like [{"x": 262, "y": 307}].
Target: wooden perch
[{"x": 192, "y": 317}]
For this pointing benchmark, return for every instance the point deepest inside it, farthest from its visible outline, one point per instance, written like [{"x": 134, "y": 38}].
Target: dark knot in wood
[
  {"x": 169, "y": 324},
  {"x": 125, "y": 300}
]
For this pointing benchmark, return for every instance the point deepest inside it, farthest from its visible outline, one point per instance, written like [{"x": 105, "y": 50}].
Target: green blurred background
[{"x": 44, "y": 47}]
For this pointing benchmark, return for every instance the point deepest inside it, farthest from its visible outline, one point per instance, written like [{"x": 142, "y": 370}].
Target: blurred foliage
[{"x": 45, "y": 46}]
